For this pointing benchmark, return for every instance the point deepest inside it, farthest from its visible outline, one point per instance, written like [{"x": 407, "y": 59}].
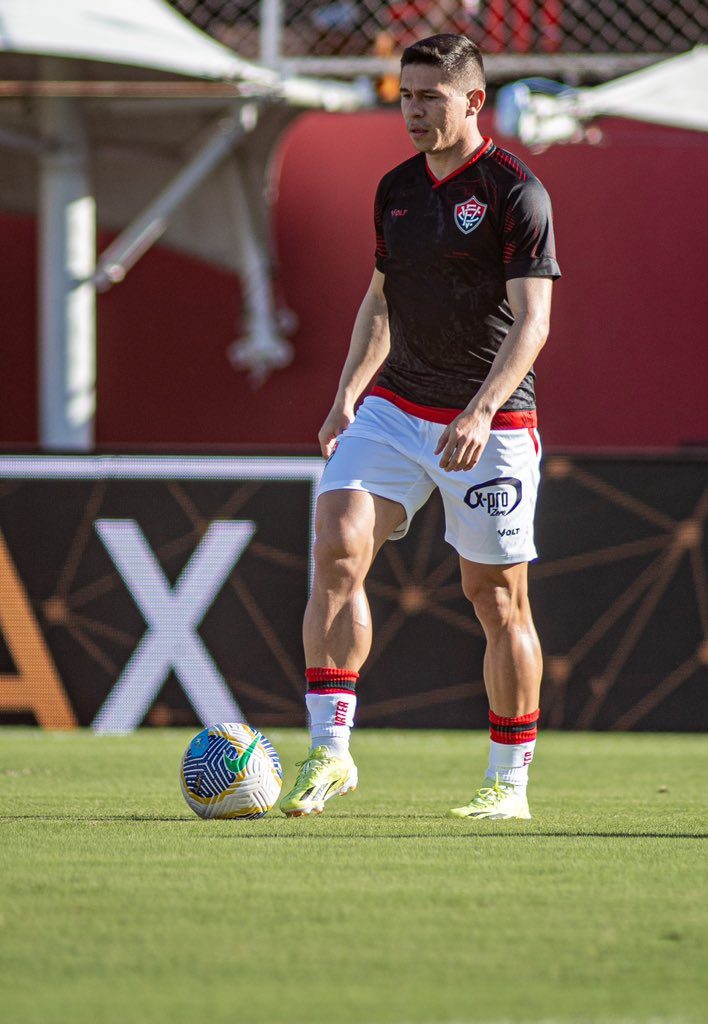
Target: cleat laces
[
  {"x": 488, "y": 796},
  {"x": 309, "y": 768}
]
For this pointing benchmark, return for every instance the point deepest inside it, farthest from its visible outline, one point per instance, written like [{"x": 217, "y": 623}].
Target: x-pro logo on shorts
[
  {"x": 498, "y": 497},
  {"x": 469, "y": 214}
]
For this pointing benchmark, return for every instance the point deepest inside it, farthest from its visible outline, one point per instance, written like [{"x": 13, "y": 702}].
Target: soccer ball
[{"x": 230, "y": 771}]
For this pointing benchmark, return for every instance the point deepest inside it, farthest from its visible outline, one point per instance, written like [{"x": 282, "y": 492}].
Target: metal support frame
[
  {"x": 262, "y": 348},
  {"x": 271, "y": 33},
  {"x": 68, "y": 274},
  {"x": 499, "y": 68},
  {"x": 132, "y": 243},
  {"x": 67, "y": 300}
]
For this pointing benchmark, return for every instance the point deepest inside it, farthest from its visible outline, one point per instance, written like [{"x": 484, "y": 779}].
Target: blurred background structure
[
  {"x": 188, "y": 124},
  {"x": 573, "y": 38},
  {"x": 87, "y": 90},
  {"x": 185, "y": 235}
]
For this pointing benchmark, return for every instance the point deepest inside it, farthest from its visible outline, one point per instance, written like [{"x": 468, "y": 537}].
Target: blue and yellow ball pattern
[{"x": 230, "y": 770}]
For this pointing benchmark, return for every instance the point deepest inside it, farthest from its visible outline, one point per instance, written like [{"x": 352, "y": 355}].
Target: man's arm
[
  {"x": 464, "y": 440},
  {"x": 368, "y": 348}
]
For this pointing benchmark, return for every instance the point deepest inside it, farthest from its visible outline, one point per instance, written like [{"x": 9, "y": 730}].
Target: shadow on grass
[
  {"x": 496, "y": 834},
  {"x": 137, "y": 818},
  {"x": 486, "y": 830}
]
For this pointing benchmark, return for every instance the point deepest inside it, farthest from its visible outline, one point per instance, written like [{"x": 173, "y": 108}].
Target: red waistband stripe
[{"x": 515, "y": 419}]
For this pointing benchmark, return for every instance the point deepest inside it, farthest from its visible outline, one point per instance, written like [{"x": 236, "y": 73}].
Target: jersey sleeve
[
  {"x": 381, "y": 253},
  {"x": 529, "y": 248}
]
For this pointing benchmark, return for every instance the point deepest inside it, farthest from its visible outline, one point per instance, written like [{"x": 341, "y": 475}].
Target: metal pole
[
  {"x": 262, "y": 348},
  {"x": 67, "y": 298},
  {"x": 125, "y": 251},
  {"x": 271, "y": 33}
]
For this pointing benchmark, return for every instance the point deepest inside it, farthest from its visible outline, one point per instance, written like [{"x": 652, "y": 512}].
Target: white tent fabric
[
  {"x": 138, "y": 33},
  {"x": 673, "y": 93}
]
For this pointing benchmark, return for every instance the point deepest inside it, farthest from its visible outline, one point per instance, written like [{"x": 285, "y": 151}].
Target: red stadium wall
[{"x": 621, "y": 367}]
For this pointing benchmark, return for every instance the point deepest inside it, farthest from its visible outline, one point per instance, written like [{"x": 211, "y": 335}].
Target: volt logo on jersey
[{"x": 469, "y": 214}]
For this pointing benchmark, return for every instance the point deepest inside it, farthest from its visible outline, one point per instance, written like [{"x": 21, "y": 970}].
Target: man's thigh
[
  {"x": 356, "y": 520},
  {"x": 376, "y": 467}
]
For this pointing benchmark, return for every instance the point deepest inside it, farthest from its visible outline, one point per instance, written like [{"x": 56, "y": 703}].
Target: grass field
[{"x": 118, "y": 905}]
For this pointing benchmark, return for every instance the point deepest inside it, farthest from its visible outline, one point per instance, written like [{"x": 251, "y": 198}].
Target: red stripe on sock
[
  {"x": 331, "y": 675},
  {"x": 521, "y": 720},
  {"x": 510, "y": 739},
  {"x": 502, "y": 729}
]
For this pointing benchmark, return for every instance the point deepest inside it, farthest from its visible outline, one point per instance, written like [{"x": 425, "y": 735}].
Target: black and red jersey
[{"x": 447, "y": 248}]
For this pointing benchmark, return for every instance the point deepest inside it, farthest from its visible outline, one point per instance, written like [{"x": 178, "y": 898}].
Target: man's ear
[{"x": 475, "y": 101}]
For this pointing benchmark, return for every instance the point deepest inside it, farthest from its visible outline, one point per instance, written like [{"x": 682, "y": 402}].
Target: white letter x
[{"x": 172, "y": 617}]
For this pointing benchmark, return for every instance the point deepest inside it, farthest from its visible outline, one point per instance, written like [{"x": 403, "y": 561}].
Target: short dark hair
[{"x": 456, "y": 55}]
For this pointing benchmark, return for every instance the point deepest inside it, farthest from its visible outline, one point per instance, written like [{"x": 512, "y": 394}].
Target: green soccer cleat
[
  {"x": 495, "y": 800},
  {"x": 321, "y": 776}
]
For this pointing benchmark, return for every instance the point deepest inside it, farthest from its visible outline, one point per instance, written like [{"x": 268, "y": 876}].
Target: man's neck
[{"x": 445, "y": 163}]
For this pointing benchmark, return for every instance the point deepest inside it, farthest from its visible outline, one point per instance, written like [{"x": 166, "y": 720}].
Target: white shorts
[{"x": 489, "y": 510}]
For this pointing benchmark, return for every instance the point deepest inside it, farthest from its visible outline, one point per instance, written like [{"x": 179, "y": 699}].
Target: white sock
[
  {"x": 509, "y": 762},
  {"x": 331, "y": 718}
]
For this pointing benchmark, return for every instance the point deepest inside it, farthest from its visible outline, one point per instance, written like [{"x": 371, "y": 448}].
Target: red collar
[{"x": 477, "y": 155}]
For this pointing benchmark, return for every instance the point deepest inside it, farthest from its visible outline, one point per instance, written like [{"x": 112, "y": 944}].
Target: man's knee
[
  {"x": 493, "y": 606},
  {"x": 499, "y": 598},
  {"x": 342, "y": 551}
]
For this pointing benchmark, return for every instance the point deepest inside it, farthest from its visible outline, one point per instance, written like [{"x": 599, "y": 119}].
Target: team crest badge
[{"x": 469, "y": 214}]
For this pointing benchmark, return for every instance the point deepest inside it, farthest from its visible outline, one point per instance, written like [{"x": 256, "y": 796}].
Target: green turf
[{"x": 118, "y": 905}]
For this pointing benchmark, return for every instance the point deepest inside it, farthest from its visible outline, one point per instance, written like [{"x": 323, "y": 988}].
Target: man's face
[{"x": 435, "y": 107}]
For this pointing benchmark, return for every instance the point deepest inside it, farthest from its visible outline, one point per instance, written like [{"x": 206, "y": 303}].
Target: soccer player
[{"x": 456, "y": 312}]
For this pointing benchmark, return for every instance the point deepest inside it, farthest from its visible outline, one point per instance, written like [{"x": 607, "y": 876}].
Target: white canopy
[
  {"x": 140, "y": 33},
  {"x": 673, "y": 92}
]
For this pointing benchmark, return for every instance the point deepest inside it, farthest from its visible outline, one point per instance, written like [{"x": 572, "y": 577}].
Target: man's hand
[
  {"x": 463, "y": 441},
  {"x": 338, "y": 419}
]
